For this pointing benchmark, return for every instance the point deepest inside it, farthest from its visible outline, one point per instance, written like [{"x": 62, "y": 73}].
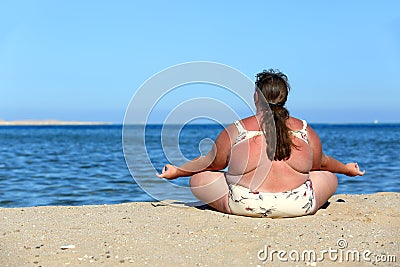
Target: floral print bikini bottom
[{"x": 293, "y": 203}]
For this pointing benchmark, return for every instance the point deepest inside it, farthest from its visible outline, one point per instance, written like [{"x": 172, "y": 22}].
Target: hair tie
[{"x": 275, "y": 105}]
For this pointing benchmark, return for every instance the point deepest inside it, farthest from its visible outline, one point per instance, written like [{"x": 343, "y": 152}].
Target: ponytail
[
  {"x": 273, "y": 88},
  {"x": 283, "y": 139}
]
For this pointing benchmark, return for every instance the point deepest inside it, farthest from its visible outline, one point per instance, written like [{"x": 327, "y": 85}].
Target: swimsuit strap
[
  {"x": 240, "y": 127},
  {"x": 244, "y": 134},
  {"x": 304, "y": 125},
  {"x": 303, "y": 133}
]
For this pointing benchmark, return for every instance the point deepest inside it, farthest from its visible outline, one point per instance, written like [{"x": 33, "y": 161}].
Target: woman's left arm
[
  {"x": 333, "y": 165},
  {"x": 326, "y": 163},
  {"x": 216, "y": 159}
]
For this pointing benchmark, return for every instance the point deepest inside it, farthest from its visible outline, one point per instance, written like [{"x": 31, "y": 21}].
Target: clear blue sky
[{"x": 83, "y": 60}]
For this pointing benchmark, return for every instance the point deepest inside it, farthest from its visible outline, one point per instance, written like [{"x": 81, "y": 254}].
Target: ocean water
[{"x": 82, "y": 165}]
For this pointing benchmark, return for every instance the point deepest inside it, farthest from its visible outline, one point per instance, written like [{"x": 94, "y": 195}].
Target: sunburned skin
[
  {"x": 303, "y": 167},
  {"x": 250, "y": 167}
]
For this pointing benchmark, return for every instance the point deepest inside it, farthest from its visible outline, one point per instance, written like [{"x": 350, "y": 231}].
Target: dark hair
[{"x": 274, "y": 87}]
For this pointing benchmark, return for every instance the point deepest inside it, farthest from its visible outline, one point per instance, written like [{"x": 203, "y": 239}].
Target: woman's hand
[
  {"x": 353, "y": 170},
  {"x": 168, "y": 172}
]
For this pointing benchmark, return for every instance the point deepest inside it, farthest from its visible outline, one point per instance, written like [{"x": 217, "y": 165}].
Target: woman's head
[{"x": 274, "y": 87}]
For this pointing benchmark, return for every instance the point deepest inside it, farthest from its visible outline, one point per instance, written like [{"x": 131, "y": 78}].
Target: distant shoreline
[{"x": 49, "y": 123}]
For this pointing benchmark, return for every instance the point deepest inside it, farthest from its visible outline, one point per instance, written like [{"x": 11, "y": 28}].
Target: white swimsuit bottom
[{"x": 293, "y": 203}]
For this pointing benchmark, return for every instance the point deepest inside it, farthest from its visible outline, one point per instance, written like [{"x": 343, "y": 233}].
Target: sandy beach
[{"x": 158, "y": 234}]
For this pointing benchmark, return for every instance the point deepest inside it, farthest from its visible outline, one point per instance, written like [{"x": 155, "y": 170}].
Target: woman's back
[
  {"x": 261, "y": 182},
  {"x": 250, "y": 167}
]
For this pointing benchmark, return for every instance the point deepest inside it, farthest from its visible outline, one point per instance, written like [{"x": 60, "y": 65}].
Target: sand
[{"x": 156, "y": 234}]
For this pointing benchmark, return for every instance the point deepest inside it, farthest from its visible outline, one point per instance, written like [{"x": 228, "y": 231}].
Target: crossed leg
[
  {"x": 324, "y": 184},
  {"x": 211, "y": 188}
]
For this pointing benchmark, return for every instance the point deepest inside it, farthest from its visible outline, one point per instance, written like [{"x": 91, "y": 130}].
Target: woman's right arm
[
  {"x": 333, "y": 165},
  {"x": 326, "y": 163}
]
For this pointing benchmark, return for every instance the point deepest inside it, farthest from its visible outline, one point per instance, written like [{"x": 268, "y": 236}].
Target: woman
[{"x": 292, "y": 180}]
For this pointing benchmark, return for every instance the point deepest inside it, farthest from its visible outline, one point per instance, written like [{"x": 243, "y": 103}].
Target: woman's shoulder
[
  {"x": 251, "y": 123},
  {"x": 246, "y": 119},
  {"x": 296, "y": 123}
]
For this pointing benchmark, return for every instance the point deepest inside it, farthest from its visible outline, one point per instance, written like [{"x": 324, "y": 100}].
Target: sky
[{"x": 85, "y": 60}]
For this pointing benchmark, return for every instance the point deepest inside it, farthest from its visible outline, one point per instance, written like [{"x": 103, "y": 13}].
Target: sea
[{"x": 85, "y": 165}]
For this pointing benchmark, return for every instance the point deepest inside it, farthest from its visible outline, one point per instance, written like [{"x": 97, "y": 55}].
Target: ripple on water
[{"x": 72, "y": 165}]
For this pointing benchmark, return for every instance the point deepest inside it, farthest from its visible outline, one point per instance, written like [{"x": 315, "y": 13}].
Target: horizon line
[{"x": 53, "y": 122}]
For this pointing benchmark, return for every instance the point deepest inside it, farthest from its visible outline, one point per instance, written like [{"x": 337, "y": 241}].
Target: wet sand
[{"x": 157, "y": 234}]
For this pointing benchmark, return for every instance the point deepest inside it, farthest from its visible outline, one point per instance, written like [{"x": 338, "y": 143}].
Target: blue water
[{"x": 82, "y": 165}]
